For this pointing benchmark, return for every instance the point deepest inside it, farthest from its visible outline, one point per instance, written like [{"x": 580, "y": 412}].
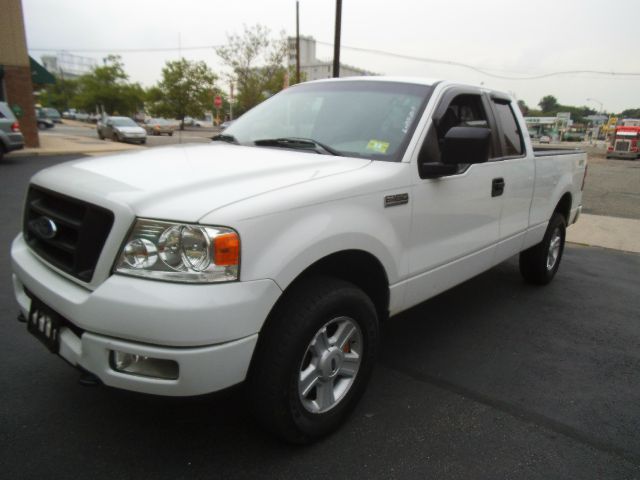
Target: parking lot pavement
[{"x": 493, "y": 379}]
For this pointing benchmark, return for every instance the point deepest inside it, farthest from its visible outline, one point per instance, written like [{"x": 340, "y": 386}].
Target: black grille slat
[
  {"x": 81, "y": 231},
  {"x": 42, "y": 210}
]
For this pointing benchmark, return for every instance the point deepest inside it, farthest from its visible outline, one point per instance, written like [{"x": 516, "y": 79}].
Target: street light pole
[
  {"x": 597, "y": 128},
  {"x": 598, "y": 102},
  {"x": 336, "y": 43}
]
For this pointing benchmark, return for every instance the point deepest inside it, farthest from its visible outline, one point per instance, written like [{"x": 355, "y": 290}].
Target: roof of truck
[{"x": 414, "y": 80}]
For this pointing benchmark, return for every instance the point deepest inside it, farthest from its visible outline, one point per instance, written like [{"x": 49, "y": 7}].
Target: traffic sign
[{"x": 217, "y": 102}]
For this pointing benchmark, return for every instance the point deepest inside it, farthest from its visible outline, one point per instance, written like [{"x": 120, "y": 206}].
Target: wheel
[
  {"x": 314, "y": 359},
  {"x": 171, "y": 134},
  {"x": 114, "y": 137},
  {"x": 100, "y": 136},
  {"x": 539, "y": 264},
  {"x": 142, "y": 142}
]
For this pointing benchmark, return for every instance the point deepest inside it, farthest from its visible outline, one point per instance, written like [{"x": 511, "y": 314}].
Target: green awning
[{"x": 39, "y": 74}]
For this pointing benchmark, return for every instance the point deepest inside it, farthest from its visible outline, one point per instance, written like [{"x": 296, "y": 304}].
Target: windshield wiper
[
  {"x": 225, "y": 137},
  {"x": 298, "y": 144}
]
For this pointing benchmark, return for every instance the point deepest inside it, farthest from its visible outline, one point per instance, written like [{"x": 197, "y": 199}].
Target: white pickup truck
[{"x": 271, "y": 256}]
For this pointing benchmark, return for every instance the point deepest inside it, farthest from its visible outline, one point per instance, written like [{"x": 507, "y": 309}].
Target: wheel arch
[
  {"x": 564, "y": 206},
  {"x": 358, "y": 267}
]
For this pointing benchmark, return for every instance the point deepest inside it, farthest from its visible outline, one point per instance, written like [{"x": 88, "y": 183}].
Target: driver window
[{"x": 465, "y": 110}]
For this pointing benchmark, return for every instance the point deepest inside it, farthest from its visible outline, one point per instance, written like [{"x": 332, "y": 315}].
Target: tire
[
  {"x": 115, "y": 137},
  {"x": 316, "y": 316},
  {"x": 171, "y": 134},
  {"x": 539, "y": 264}
]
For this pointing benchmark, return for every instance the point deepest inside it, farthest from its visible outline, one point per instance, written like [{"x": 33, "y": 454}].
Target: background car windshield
[
  {"x": 123, "y": 122},
  {"x": 366, "y": 119}
]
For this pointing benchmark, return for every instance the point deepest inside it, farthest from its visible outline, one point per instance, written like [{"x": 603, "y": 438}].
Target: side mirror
[
  {"x": 466, "y": 145},
  {"x": 437, "y": 169}
]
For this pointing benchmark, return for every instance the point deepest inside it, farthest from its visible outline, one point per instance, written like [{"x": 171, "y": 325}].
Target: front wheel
[
  {"x": 314, "y": 359},
  {"x": 539, "y": 264}
]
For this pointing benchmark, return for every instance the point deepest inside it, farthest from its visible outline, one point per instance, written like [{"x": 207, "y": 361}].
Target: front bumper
[
  {"x": 615, "y": 154},
  {"x": 209, "y": 330}
]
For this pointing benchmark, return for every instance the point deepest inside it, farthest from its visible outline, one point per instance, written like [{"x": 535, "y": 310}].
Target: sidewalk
[
  {"x": 72, "y": 144},
  {"x": 608, "y": 232}
]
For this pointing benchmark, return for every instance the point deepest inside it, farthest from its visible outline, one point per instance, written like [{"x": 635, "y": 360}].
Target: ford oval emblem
[{"x": 43, "y": 227}]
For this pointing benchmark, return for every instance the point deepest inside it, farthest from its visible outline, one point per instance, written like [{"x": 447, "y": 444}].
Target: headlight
[{"x": 180, "y": 252}]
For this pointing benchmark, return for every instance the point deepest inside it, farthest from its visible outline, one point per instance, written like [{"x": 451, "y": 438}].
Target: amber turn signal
[{"x": 226, "y": 249}]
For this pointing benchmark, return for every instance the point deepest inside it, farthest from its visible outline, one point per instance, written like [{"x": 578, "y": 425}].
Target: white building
[
  {"x": 67, "y": 65},
  {"x": 314, "y": 69}
]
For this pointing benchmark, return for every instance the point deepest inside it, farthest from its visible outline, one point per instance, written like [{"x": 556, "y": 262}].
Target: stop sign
[{"x": 217, "y": 102}]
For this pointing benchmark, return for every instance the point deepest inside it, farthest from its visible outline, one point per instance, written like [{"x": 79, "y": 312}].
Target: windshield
[
  {"x": 366, "y": 119},
  {"x": 123, "y": 122}
]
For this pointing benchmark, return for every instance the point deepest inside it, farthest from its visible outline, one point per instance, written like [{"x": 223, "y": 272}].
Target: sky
[{"x": 505, "y": 38}]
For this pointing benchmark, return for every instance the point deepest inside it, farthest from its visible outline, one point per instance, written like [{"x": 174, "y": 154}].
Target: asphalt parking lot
[{"x": 493, "y": 379}]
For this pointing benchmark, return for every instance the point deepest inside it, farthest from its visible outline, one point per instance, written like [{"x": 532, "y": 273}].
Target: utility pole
[
  {"x": 297, "y": 41},
  {"x": 336, "y": 43}
]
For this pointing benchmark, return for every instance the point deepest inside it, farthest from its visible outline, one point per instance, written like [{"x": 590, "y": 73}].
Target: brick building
[{"x": 15, "y": 70}]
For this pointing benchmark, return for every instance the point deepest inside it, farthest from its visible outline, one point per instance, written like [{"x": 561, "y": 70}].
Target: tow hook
[{"x": 88, "y": 379}]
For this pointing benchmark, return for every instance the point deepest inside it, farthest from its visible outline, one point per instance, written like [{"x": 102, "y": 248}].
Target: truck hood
[{"x": 185, "y": 183}]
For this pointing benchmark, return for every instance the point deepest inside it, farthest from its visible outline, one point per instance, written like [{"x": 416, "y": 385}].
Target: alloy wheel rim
[
  {"x": 330, "y": 365},
  {"x": 554, "y": 249}
]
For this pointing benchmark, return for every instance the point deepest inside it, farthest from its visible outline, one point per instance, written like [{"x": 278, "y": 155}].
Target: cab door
[
  {"x": 456, "y": 218},
  {"x": 518, "y": 174}
]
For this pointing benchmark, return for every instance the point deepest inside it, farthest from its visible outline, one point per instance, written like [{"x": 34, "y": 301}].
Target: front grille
[
  {"x": 66, "y": 232},
  {"x": 622, "y": 145}
]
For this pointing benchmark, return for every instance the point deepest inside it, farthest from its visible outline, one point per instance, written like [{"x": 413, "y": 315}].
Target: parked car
[
  {"x": 227, "y": 124},
  {"x": 159, "y": 126},
  {"x": 10, "y": 135},
  {"x": 42, "y": 119},
  {"x": 272, "y": 255},
  {"x": 545, "y": 139},
  {"x": 70, "y": 114},
  {"x": 121, "y": 129},
  {"x": 53, "y": 114},
  {"x": 194, "y": 122}
]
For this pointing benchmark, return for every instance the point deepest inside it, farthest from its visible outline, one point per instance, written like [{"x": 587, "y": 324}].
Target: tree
[
  {"x": 60, "y": 95},
  {"x": 524, "y": 109},
  {"x": 630, "y": 113},
  {"x": 186, "y": 89},
  {"x": 257, "y": 64},
  {"x": 107, "y": 87},
  {"x": 549, "y": 104}
]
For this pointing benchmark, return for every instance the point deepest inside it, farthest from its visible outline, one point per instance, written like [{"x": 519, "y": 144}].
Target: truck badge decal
[{"x": 398, "y": 199}]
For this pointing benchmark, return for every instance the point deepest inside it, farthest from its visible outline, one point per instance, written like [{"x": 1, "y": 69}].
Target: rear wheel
[
  {"x": 314, "y": 359},
  {"x": 539, "y": 264}
]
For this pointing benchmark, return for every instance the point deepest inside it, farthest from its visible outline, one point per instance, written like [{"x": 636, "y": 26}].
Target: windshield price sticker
[{"x": 378, "y": 146}]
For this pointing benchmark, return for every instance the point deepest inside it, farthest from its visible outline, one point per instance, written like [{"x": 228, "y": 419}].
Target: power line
[
  {"x": 125, "y": 50},
  {"x": 482, "y": 70},
  {"x": 479, "y": 69}
]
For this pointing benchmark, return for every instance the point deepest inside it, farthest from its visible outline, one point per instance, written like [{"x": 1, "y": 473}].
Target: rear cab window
[{"x": 511, "y": 135}]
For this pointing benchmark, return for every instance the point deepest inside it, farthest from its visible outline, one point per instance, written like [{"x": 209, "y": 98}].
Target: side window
[
  {"x": 465, "y": 110},
  {"x": 512, "y": 136}
]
